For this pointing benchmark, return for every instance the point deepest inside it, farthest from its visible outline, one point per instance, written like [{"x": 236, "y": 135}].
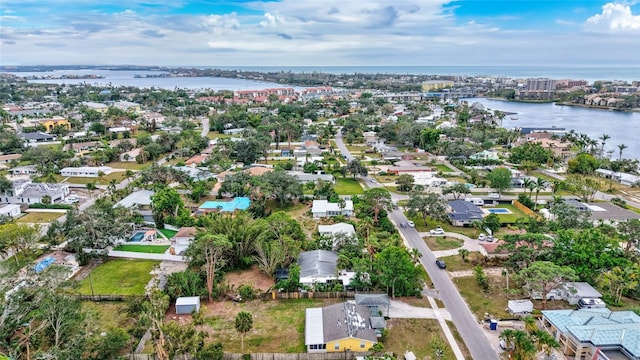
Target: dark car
[{"x": 441, "y": 264}]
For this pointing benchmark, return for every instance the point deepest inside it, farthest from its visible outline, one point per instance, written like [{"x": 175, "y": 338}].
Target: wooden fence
[
  {"x": 524, "y": 209},
  {"x": 349, "y": 355},
  {"x": 98, "y": 298},
  {"x": 276, "y": 295}
]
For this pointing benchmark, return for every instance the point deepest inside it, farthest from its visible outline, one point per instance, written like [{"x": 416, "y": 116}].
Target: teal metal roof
[{"x": 600, "y": 327}]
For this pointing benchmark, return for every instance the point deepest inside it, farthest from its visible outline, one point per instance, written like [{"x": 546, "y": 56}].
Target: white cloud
[{"x": 615, "y": 17}]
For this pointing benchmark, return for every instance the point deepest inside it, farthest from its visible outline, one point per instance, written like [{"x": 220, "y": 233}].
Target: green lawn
[
  {"x": 431, "y": 224},
  {"x": 443, "y": 168},
  {"x": 131, "y": 165},
  {"x": 168, "y": 233},
  {"x": 348, "y": 186},
  {"x": 150, "y": 249},
  {"x": 105, "y": 180},
  {"x": 455, "y": 263},
  {"x": 39, "y": 217},
  {"x": 510, "y": 218},
  {"x": 216, "y": 135},
  {"x": 119, "y": 277},
  {"x": 442, "y": 242}
]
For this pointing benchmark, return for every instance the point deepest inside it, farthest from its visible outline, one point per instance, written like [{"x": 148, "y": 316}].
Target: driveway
[{"x": 402, "y": 310}]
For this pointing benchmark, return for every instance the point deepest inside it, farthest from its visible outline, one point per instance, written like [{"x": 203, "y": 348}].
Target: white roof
[
  {"x": 140, "y": 197},
  {"x": 187, "y": 300},
  {"x": 324, "y": 206},
  {"x": 519, "y": 306},
  {"x": 344, "y": 228},
  {"x": 87, "y": 168},
  {"x": 313, "y": 327},
  {"x": 7, "y": 208}
]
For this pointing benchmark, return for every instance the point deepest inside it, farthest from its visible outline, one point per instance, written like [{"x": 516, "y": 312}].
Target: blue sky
[{"x": 320, "y": 32}]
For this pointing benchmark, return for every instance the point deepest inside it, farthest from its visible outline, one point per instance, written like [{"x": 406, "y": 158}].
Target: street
[{"x": 466, "y": 323}]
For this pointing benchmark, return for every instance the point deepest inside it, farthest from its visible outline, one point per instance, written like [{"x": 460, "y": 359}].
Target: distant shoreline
[{"x": 564, "y": 104}]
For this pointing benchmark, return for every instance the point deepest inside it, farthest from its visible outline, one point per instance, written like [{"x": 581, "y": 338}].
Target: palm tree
[
  {"x": 530, "y": 324},
  {"x": 244, "y": 324},
  {"x": 540, "y": 184},
  {"x": 603, "y": 141},
  {"x": 621, "y": 148},
  {"x": 463, "y": 253}
]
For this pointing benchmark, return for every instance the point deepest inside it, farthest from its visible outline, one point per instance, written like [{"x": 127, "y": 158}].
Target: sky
[{"x": 320, "y": 32}]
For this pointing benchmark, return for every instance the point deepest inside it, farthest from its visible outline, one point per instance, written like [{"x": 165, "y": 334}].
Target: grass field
[
  {"x": 493, "y": 301},
  {"x": 216, "y": 135},
  {"x": 442, "y": 242},
  {"x": 417, "y": 335},
  {"x": 40, "y": 217},
  {"x": 105, "y": 180},
  {"x": 431, "y": 224},
  {"x": 510, "y": 218},
  {"x": 278, "y": 326},
  {"x": 149, "y": 249},
  {"x": 168, "y": 233},
  {"x": 119, "y": 277},
  {"x": 348, "y": 186},
  {"x": 443, "y": 168},
  {"x": 455, "y": 263},
  {"x": 131, "y": 165}
]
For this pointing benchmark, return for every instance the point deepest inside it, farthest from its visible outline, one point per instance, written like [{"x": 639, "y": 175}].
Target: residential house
[
  {"x": 83, "y": 146},
  {"x": 10, "y": 210},
  {"x": 50, "y": 124},
  {"x": 86, "y": 171},
  {"x": 576, "y": 204},
  {"x": 131, "y": 155},
  {"x": 623, "y": 178},
  {"x": 6, "y": 159},
  {"x": 36, "y": 137},
  {"x": 370, "y": 137},
  {"x": 464, "y": 213},
  {"x": 196, "y": 174},
  {"x": 183, "y": 238},
  {"x": 238, "y": 131},
  {"x": 485, "y": 155},
  {"x": 196, "y": 160},
  {"x": 609, "y": 213},
  {"x": 24, "y": 170},
  {"x": 408, "y": 167},
  {"x": 126, "y": 106},
  {"x": 99, "y": 107},
  {"x": 137, "y": 199},
  {"x": 258, "y": 170},
  {"x": 376, "y": 303},
  {"x": 343, "y": 327},
  {"x": 323, "y": 208},
  {"x": 337, "y": 232},
  {"x": 26, "y": 192},
  {"x": 305, "y": 178},
  {"x": 152, "y": 117},
  {"x": 596, "y": 334},
  {"x": 570, "y": 292},
  {"x": 318, "y": 267}
]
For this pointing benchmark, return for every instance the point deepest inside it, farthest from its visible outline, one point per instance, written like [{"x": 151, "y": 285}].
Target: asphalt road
[{"x": 466, "y": 323}]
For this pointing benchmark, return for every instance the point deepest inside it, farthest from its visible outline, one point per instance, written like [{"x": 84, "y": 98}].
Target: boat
[{"x": 513, "y": 118}]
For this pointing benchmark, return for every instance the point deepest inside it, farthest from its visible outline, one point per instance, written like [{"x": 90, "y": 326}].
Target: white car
[
  {"x": 437, "y": 231},
  {"x": 411, "y": 223},
  {"x": 482, "y": 237}
]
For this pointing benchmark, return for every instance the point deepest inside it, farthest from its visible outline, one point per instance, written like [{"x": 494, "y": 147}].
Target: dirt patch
[{"x": 254, "y": 277}]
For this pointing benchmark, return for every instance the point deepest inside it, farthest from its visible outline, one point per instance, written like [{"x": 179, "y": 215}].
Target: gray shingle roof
[
  {"x": 372, "y": 299},
  {"x": 317, "y": 263},
  {"x": 346, "y": 320}
]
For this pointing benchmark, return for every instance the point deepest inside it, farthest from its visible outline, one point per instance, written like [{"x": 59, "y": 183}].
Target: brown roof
[
  {"x": 257, "y": 170},
  {"x": 186, "y": 232}
]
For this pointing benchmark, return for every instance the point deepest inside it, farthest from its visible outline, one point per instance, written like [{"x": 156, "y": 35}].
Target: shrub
[
  {"x": 50, "y": 206},
  {"x": 247, "y": 292}
]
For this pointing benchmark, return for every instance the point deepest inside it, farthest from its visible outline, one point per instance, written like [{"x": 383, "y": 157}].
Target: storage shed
[
  {"x": 518, "y": 307},
  {"x": 187, "y": 305}
]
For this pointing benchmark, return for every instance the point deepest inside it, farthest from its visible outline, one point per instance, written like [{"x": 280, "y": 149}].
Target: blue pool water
[
  {"x": 470, "y": 186},
  {"x": 239, "y": 203},
  {"x": 137, "y": 237},
  {"x": 43, "y": 264},
  {"x": 499, "y": 211}
]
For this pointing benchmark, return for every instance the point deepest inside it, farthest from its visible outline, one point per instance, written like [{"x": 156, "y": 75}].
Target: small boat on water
[{"x": 513, "y": 118}]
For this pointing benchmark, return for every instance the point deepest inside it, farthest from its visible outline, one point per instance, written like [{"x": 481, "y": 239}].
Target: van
[{"x": 475, "y": 201}]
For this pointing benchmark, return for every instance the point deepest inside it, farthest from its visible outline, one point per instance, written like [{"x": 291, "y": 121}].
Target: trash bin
[{"x": 493, "y": 325}]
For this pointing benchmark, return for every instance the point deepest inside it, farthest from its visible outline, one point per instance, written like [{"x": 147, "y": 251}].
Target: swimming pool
[
  {"x": 239, "y": 203},
  {"x": 499, "y": 211},
  {"x": 137, "y": 237},
  {"x": 43, "y": 264}
]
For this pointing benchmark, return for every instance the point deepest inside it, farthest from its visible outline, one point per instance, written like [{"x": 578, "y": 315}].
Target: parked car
[
  {"x": 482, "y": 237},
  {"x": 403, "y": 224},
  {"x": 441, "y": 264},
  {"x": 373, "y": 180},
  {"x": 494, "y": 195},
  {"x": 411, "y": 223},
  {"x": 437, "y": 231},
  {"x": 490, "y": 238}
]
